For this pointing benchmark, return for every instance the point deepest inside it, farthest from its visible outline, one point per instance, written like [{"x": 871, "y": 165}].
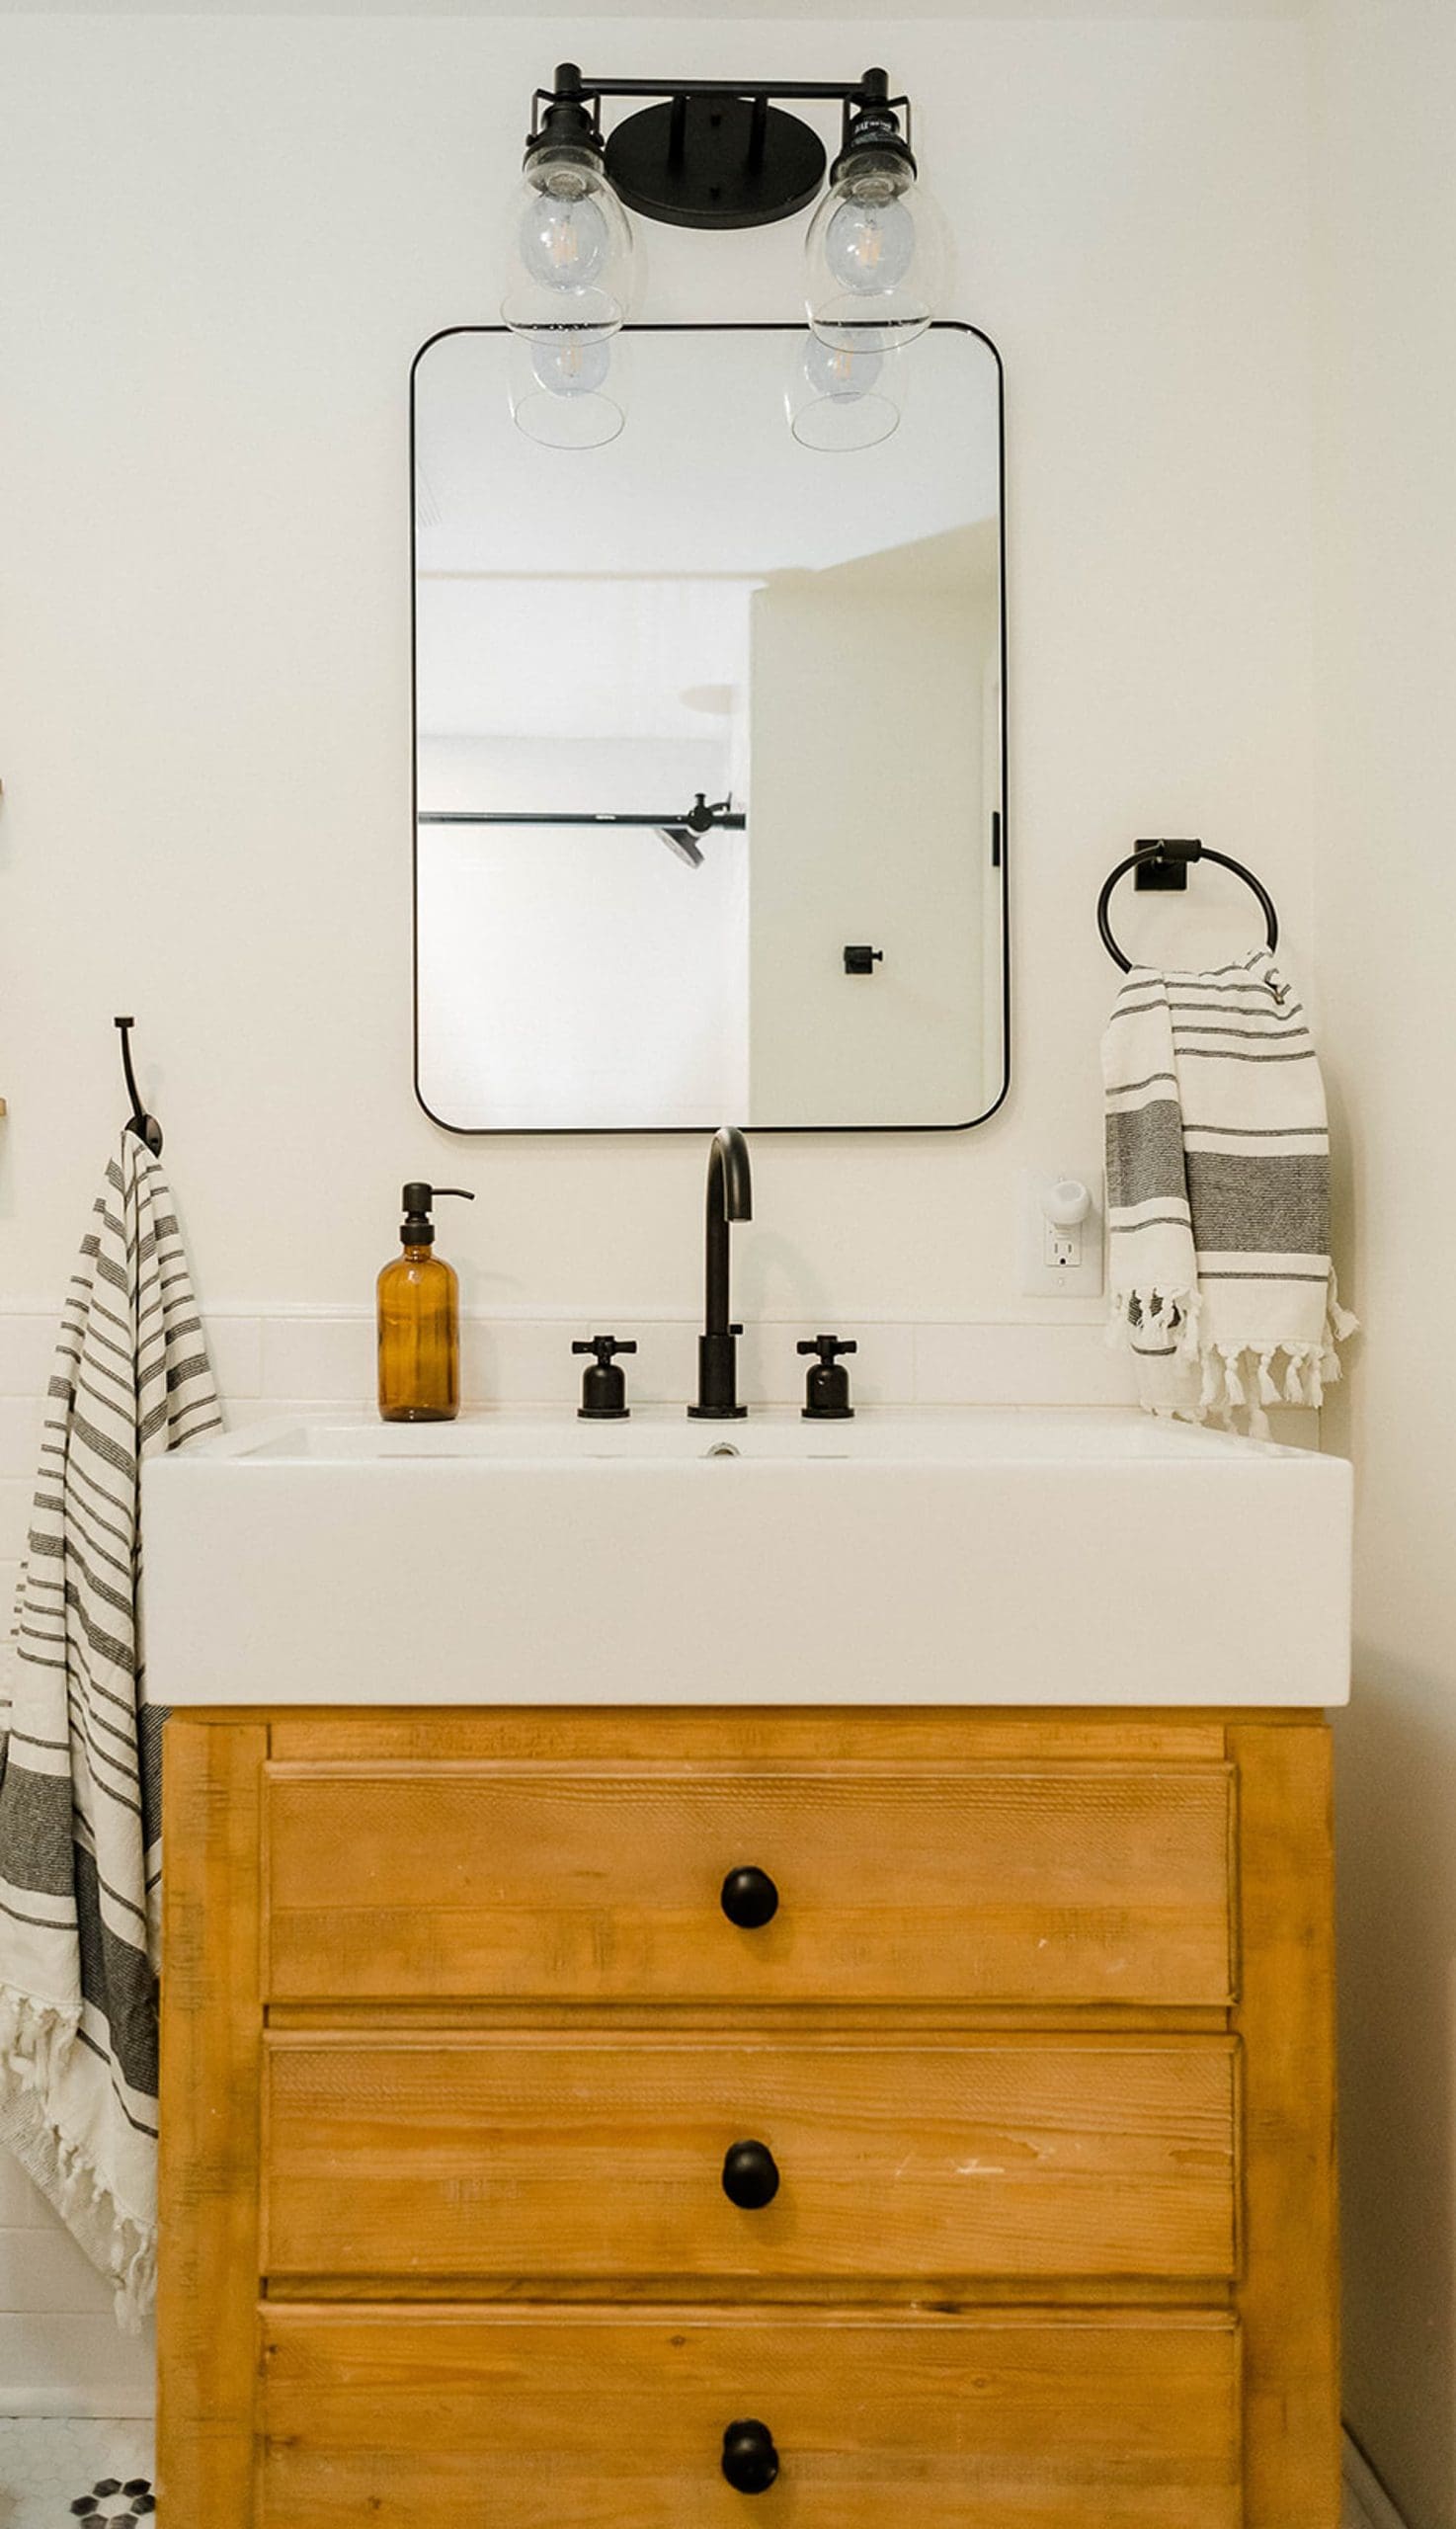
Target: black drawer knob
[
  {"x": 750, "y": 1899},
  {"x": 749, "y": 2460},
  {"x": 750, "y": 2175}
]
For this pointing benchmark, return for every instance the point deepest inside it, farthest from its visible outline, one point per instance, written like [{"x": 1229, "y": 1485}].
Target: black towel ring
[
  {"x": 1175, "y": 852},
  {"x": 144, "y": 1127}
]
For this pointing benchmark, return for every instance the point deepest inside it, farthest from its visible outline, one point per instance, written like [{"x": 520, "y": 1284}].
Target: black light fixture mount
[{"x": 717, "y": 153}]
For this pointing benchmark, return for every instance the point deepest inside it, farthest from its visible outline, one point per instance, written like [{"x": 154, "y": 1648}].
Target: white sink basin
[{"x": 1031, "y": 1556}]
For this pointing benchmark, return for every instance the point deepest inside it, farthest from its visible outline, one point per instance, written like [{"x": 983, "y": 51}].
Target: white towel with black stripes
[
  {"x": 1218, "y": 1193},
  {"x": 80, "y": 1765}
]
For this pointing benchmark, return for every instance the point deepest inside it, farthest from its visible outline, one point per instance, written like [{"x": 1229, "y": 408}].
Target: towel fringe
[
  {"x": 36, "y": 2040},
  {"x": 1340, "y": 1322},
  {"x": 1235, "y": 1383}
]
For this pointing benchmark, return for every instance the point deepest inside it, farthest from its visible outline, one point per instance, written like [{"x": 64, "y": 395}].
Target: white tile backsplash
[
  {"x": 75, "y": 2362},
  {"x": 42, "y": 2268},
  {"x": 19, "y": 1430},
  {"x": 14, "y": 1509},
  {"x": 1018, "y": 1364},
  {"x": 327, "y": 1357},
  {"x": 27, "y": 1344},
  {"x": 270, "y": 1360},
  {"x": 22, "y": 2206},
  {"x": 521, "y": 1360},
  {"x": 236, "y": 1346}
]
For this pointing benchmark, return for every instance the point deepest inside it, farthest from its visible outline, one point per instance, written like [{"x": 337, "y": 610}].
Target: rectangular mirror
[{"x": 709, "y": 741}]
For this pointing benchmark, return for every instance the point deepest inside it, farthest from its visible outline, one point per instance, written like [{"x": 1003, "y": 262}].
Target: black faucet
[{"x": 730, "y": 1198}]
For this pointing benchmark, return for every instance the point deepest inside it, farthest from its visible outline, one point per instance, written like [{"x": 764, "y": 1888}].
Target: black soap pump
[
  {"x": 603, "y": 1385},
  {"x": 826, "y": 1387}
]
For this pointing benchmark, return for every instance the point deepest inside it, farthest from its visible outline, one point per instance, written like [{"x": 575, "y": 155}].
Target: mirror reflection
[{"x": 709, "y": 737}]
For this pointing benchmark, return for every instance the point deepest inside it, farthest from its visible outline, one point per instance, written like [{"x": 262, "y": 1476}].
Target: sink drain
[{"x": 722, "y": 1449}]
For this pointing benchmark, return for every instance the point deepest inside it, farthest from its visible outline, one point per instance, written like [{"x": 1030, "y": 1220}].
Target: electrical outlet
[{"x": 1062, "y": 1257}]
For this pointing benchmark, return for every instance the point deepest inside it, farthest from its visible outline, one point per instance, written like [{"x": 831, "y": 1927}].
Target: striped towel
[
  {"x": 1218, "y": 1193},
  {"x": 80, "y": 1766}
]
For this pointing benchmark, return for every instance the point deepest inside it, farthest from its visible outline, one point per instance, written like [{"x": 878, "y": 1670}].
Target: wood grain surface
[
  {"x": 1074, "y": 1881},
  {"x": 1007, "y": 2157},
  {"x": 209, "y": 2184},
  {"x": 615, "y": 2420},
  {"x": 455, "y": 2035}
]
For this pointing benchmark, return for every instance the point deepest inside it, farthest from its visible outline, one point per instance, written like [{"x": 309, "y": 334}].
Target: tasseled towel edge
[
  {"x": 35, "y": 2040},
  {"x": 1150, "y": 1321},
  {"x": 1234, "y": 1378}
]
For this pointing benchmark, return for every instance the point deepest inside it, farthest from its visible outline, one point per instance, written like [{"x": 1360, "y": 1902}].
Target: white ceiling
[{"x": 842, "y": 12}]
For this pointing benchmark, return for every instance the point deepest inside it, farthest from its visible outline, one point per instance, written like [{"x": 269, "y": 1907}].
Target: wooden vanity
[{"x": 1034, "y": 2040}]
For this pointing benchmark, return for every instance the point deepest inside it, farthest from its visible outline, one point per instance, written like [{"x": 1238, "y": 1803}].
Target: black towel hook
[
  {"x": 1171, "y": 853},
  {"x": 144, "y": 1127}
]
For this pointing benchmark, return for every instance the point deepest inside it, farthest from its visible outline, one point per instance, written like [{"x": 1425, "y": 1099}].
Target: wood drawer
[
  {"x": 526, "y": 2420},
  {"x": 1071, "y": 1882},
  {"x": 454, "y": 2158}
]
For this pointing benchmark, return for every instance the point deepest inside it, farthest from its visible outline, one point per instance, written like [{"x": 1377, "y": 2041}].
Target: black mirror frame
[{"x": 999, "y": 842}]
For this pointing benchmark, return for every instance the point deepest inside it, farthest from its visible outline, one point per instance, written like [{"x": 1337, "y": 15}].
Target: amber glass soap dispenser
[{"x": 418, "y": 1297}]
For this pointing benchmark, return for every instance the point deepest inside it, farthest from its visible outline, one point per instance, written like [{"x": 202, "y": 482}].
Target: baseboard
[
  {"x": 72, "y": 2406},
  {"x": 1375, "y": 2505}
]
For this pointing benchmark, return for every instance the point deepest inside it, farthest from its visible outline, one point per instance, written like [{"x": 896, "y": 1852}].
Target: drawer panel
[
  {"x": 449, "y": 2418},
  {"x": 459, "y": 2157},
  {"x": 1065, "y": 1883}
]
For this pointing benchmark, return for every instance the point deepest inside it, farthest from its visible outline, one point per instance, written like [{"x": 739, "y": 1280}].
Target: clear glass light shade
[
  {"x": 568, "y": 390},
  {"x": 877, "y": 256},
  {"x": 839, "y": 400},
  {"x": 570, "y": 250}
]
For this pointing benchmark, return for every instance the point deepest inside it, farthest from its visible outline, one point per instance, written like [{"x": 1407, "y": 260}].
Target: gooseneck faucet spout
[{"x": 730, "y": 1198}]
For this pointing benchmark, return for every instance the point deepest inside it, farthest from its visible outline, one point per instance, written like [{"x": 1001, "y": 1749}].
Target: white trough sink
[{"x": 963, "y": 1556}]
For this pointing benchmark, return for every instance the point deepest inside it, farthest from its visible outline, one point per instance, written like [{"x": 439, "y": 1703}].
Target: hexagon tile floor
[{"x": 62, "y": 2474}]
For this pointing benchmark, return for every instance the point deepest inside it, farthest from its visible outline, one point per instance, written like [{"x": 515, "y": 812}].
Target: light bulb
[
  {"x": 569, "y": 367},
  {"x": 843, "y": 375},
  {"x": 568, "y": 390},
  {"x": 564, "y": 240},
  {"x": 842, "y": 398},
  {"x": 875, "y": 255},
  {"x": 870, "y": 244},
  {"x": 570, "y": 258}
]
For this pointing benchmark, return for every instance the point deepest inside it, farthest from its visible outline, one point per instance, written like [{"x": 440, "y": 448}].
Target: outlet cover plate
[{"x": 1044, "y": 1275}]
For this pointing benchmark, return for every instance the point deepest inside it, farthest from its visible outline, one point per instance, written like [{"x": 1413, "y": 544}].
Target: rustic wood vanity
[{"x": 471, "y": 2016}]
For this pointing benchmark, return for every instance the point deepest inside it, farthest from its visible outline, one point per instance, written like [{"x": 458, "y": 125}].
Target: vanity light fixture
[
  {"x": 569, "y": 284},
  {"x": 718, "y": 153},
  {"x": 877, "y": 245}
]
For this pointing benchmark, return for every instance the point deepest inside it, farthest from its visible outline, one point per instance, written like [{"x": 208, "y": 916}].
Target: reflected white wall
[{"x": 584, "y": 972}]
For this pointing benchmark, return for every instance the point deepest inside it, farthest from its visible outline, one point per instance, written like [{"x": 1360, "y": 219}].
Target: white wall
[
  {"x": 225, "y": 239},
  {"x": 1386, "y": 934},
  {"x": 582, "y": 973}
]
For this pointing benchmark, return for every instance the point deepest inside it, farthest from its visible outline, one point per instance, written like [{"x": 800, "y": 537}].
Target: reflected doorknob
[
  {"x": 749, "y": 2460},
  {"x": 749, "y": 1898},
  {"x": 750, "y": 2175}
]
